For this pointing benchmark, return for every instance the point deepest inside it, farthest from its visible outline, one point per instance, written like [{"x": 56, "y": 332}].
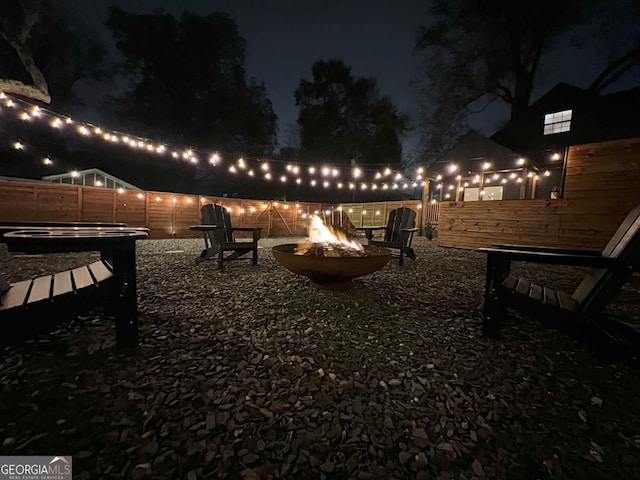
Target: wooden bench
[{"x": 29, "y": 306}]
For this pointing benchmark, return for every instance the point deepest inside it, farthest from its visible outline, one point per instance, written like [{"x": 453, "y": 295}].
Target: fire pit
[{"x": 329, "y": 259}]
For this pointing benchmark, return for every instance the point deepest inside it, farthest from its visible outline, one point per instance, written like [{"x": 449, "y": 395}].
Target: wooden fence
[
  {"x": 170, "y": 215},
  {"x": 601, "y": 185}
]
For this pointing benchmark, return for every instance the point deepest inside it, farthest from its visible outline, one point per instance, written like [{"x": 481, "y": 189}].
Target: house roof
[
  {"x": 595, "y": 118},
  {"x": 93, "y": 174},
  {"x": 472, "y": 150}
]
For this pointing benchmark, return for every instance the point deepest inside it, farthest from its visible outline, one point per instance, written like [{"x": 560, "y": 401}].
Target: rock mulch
[{"x": 253, "y": 373}]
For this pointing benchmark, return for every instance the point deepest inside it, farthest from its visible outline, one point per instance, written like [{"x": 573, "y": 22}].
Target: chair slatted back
[
  {"x": 399, "y": 219},
  {"x": 600, "y": 285},
  {"x": 214, "y": 214}
]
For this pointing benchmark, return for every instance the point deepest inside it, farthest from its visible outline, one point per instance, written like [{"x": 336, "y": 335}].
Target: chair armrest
[
  {"x": 202, "y": 228},
  {"x": 371, "y": 228},
  {"x": 411, "y": 230},
  {"x": 257, "y": 231},
  {"x": 368, "y": 231},
  {"x": 553, "y": 258},
  {"x": 536, "y": 248}
]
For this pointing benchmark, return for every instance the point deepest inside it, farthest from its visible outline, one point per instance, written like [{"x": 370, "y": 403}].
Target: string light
[
  {"x": 330, "y": 174},
  {"x": 214, "y": 159}
]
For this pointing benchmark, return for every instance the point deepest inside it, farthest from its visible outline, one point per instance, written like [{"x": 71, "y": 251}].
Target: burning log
[
  {"x": 330, "y": 250},
  {"x": 327, "y": 241}
]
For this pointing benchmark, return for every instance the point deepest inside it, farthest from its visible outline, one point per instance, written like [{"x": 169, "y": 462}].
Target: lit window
[{"x": 557, "y": 122}]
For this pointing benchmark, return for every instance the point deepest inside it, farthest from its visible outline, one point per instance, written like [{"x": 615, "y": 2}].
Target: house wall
[{"x": 602, "y": 184}]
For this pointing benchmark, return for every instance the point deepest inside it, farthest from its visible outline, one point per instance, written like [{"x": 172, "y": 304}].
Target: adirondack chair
[
  {"x": 32, "y": 306},
  {"x": 580, "y": 312},
  {"x": 398, "y": 233},
  {"x": 219, "y": 236}
]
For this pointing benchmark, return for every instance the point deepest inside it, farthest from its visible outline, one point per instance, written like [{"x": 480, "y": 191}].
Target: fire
[{"x": 328, "y": 240}]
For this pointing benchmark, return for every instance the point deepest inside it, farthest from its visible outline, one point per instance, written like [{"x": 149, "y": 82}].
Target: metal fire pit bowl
[{"x": 331, "y": 273}]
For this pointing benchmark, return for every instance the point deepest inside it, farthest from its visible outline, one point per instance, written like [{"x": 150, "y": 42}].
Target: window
[
  {"x": 488, "y": 193},
  {"x": 492, "y": 193},
  {"x": 557, "y": 122},
  {"x": 471, "y": 194}
]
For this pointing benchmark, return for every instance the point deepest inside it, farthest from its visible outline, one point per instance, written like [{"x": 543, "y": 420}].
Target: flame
[{"x": 319, "y": 233}]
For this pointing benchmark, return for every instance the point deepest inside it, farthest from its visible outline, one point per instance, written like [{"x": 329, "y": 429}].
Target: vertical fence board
[
  {"x": 131, "y": 208},
  {"x": 18, "y": 201},
  {"x": 96, "y": 205},
  {"x": 57, "y": 203}
]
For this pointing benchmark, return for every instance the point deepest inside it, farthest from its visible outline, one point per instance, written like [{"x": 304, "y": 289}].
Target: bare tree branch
[
  {"x": 615, "y": 70},
  {"x": 20, "y": 88},
  {"x": 39, "y": 90}
]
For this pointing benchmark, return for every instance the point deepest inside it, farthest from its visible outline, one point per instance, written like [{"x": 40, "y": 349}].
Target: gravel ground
[{"x": 253, "y": 373}]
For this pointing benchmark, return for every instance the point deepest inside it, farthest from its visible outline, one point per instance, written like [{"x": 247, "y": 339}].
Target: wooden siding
[
  {"x": 602, "y": 184},
  {"x": 523, "y": 222}
]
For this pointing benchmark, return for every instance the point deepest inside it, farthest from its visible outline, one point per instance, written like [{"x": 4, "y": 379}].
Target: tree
[
  {"x": 629, "y": 60},
  {"x": 343, "y": 117},
  {"x": 17, "y": 22},
  {"x": 43, "y": 53},
  {"x": 484, "y": 51},
  {"x": 188, "y": 82}
]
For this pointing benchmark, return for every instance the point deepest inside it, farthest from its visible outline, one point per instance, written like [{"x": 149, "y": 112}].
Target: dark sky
[
  {"x": 285, "y": 37},
  {"x": 374, "y": 37}
]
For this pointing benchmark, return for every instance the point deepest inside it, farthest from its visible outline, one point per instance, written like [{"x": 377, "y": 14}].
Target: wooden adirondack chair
[
  {"x": 398, "y": 233},
  {"x": 582, "y": 311},
  {"x": 32, "y": 306},
  {"x": 219, "y": 236}
]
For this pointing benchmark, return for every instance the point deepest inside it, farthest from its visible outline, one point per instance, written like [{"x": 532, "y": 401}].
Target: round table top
[{"x": 80, "y": 233}]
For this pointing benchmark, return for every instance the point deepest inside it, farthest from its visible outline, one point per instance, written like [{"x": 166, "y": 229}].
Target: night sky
[{"x": 374, "y": 37}]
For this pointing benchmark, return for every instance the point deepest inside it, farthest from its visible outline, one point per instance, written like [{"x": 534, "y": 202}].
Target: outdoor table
[
  {"x": 73, "y": 224},
  {"x": 6, "y": 227},
  {"x": 115, "y": 244}
]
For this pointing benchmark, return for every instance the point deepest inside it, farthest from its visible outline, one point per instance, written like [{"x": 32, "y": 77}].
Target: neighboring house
[
  {"x": 525, "y": 158},
  {"x": 568, "y": 115},
  {"x": 93, "y": 177}
]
